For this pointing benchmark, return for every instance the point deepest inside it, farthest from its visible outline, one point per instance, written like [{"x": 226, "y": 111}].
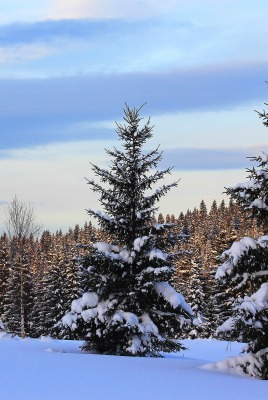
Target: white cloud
[
  {"x": 110, "y": 8},
  {"x": 139, "y": 9}
]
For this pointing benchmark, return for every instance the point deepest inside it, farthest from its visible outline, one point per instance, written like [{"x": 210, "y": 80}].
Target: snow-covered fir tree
[
  {"x": 130, "y": 308},
  {"x": 196, "y": 299},
  {"x": 245, "y": 270}
]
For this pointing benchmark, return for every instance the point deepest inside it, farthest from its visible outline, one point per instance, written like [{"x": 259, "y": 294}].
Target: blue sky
[{"x": 67, "y": 68}]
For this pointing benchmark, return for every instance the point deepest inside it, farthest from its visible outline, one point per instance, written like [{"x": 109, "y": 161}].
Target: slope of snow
[{"x": 46, "y": 369}]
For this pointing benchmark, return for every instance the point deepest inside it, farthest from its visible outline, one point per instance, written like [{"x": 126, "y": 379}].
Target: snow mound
[
  {"x": 246, "y": 365},
  {"x": 5, "y": 335}
]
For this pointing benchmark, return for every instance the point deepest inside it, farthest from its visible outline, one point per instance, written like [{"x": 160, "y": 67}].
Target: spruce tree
[
  {"x": 196, "y": 299},
  {"x": 245, "y": 270},
  {"x": 129, "y": 307}
]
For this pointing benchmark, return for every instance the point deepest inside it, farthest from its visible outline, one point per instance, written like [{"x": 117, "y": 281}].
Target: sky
[{"x": 67, "y": 68}]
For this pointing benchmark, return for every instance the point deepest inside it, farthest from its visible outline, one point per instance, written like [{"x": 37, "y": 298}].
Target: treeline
[
  {"x": 206, "y": 234},
  {"x": 39, "y": 278}
]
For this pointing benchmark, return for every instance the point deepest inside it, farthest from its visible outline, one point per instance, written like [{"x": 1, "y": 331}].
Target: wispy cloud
[
  {"x": 111, "y": 8},
  {"x": 124, "y": 44},
  {"x": 92, "y": 30},
  {"x": 99, "y": 97},
  {"x": 29, "y": 10},
  {"x": 51, "y": 30}
]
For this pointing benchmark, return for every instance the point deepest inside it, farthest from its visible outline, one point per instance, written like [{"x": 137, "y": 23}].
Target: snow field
[{"x": 46, "y": 369}]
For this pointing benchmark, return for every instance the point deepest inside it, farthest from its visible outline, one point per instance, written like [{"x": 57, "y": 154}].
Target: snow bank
[
  {"x": 5, "y": 335},
  {"x": 246, "y": 365},
  {"x": 66, "y": 371}
]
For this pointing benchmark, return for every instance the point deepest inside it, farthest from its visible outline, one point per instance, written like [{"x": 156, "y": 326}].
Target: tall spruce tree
[
  {"x": 245, "y": 270},
  {"x": 129, "y": 307}
]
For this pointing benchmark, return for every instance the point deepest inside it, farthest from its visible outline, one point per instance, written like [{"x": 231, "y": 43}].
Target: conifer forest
[{"x": 138, "y": 281}]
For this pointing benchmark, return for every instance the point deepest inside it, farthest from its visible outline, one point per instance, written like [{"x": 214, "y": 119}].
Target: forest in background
[{"x": 40, "y": 277}]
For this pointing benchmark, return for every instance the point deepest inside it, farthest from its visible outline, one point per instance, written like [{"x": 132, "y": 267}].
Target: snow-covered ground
[{"x": 46, "y": 369}]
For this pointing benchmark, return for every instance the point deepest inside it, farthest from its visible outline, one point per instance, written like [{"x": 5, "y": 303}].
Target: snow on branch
[
  {"x": 258, "y": 203},
  {"x": 105, "y": 247},
  {"x": 100, "y": 215},
  {"x": 115, "y": 252},
  {"x": 174, "y": 298},
  {"x": 261, "y": 157},
  {"x": 238, "y": 250},
  {"x": 140, "y": 242},
  {"x": 249, "y": 305},
  {"x": 250, "y": 184},
  {"x": 157, "y": 253}
]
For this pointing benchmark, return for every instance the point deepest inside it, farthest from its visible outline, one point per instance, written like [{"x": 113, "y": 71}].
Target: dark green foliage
[
  {"x": 127, "y": 307},
  {"x": 245, "y": 271}
]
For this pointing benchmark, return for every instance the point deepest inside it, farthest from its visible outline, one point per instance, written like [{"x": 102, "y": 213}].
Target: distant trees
[
  {"x": 39, "y": 278},
  {"x": 21, "y": 227},
  {"x": 64, "y": 253}
]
